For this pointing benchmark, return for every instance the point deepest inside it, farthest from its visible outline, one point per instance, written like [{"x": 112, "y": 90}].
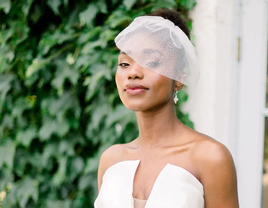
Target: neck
[{"x": 158, "y": 128}]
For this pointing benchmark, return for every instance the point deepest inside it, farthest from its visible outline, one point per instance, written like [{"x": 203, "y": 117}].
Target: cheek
[
  {"x": 118, "y": 80},
  {"x": 164, "y": 92},
  {"x": 163, "y": 85}
]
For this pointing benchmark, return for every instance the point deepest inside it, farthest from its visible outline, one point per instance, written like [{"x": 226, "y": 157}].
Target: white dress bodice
[{"x": 174, "y": 187}]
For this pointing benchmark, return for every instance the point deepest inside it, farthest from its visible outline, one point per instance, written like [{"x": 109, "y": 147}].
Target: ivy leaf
[
  {"x": 77, "y": 166},
  {"x": 118, "y": 17},
  {"x": 66, "y": 147},
  {"x": 5, "y": 84},
  {"x": 91, "y": 165},
  {"x": 20, "y": 106},
  {"x": 7, "y": 123},
  {"x": 164, "y": 4},
  {"x": 58, "y": 203},
  {"x": 63, "y": 103},
  {"x": 26, "y": 6},
  {"x": 35, "y": 66},
  {"x": 4, "y": 62},
  {"x": 7, "y": 202},
  {"x": 188, "y": 4},
  {"x": 51, "y": 126},
  {"x": 62, "y": 128},
  {"x": 50, "y": 150},
  {"x": 60, "y": 175},
  {"x": 25, "y": 137},
  {"x": 7, "y": 151},
  {"x": 89, "y": 47},
  {"x": 48, "y": 128},
  {"x": 51, "y": 39},
  {"x": 129, "y": 3},
  {"x": 37, "y": 13},
  {"x": 5, "y": 5},
  {"x": 182, "y": 95},
  {"x": 98, "y": 114},
  {"x": 89, "y": 35},
  {"x": 109, "y": 35},
  {"x": 54, "y": 5},
  {"x": 5, "y": 35},
  {"x": 102, "y": 6},
  {"x": 65, "y": 2},
  {"x": 27, "y": 188},
  {"x": 20, "y": 31},
  {"x": 63, "y": 73},
  {"x": 120, "y": 113},
  {"x": 87, "y": 16},
  {"x": 94, "y": 83},
  {"x": 99, "y": 72},
  {"x": 85, "y": 181}
]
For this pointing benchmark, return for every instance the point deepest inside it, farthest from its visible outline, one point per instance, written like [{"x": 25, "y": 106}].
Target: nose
[{"x": 136, "y": 71}]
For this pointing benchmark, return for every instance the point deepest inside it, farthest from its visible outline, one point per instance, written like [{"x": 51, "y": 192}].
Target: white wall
[
  {"x": 228, "y": 103},
  {"x": 212, "y": 104},
  {"x": 251, "y": 91}
]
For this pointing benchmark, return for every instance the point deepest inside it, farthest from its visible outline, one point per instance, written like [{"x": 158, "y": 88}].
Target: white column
[
  {"x": 229, "y": 99},
  {"x": 200, "y": 104},
  {"x": 212, "y": 105},
  {"x": 252, "y": 84}
]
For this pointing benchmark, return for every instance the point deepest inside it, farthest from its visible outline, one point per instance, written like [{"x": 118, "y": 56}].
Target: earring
[{"x": 175, "y": 97}]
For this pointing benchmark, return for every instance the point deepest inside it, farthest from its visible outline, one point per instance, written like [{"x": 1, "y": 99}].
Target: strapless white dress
[{"x": 174, "y": 187}]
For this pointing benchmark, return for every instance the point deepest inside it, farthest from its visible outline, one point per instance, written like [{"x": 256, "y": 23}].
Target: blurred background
[{"x": 59, "y": 107}]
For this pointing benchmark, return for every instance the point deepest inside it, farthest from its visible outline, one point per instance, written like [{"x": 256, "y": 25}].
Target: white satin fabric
[{"x": 174, "y": 187}]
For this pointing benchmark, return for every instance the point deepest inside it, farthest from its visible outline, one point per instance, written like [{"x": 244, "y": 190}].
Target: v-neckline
[
  {"x": 132, "y": 188},
  {"x": 153, "y": 192}
]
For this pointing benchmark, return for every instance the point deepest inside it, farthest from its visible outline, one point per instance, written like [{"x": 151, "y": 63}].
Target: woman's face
[{"x": 157, "y": 90}]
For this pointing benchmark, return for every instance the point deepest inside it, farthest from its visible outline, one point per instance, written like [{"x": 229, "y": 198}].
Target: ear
[{"x": 178, "y": 86}]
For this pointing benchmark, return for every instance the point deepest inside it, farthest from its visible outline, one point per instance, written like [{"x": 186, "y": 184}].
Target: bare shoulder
[
  {"x": 111, "y": 155},
  {"x": 108, "y": 158},
  {"x": 216, "y": 171},
  {"x": 211, "y": 153},
  {"x": 208, "y": 154},
  {"x": 208, "y": 150}
]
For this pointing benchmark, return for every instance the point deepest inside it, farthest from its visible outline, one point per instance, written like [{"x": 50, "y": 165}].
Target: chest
[
  {"x": 150, "y": 167},
  {"x": 144, "y": 179}
]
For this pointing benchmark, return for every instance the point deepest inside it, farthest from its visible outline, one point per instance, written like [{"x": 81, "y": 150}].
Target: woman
[{"x": 169, "y": 165}]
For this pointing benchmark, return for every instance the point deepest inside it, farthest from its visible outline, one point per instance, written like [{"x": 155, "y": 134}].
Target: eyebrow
[
  {"x": 149, "y": 51},
  {"x": 123, "y": 52}
]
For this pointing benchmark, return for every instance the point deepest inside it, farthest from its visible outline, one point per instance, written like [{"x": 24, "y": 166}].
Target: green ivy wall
[{"x": 59, "y": 107}]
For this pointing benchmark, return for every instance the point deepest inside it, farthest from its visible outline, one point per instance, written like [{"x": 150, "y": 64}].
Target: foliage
[{"x": 58, "y": 101}]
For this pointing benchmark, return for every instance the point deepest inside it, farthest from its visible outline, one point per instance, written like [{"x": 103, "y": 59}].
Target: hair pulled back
[{"x": 174, "y": 17}]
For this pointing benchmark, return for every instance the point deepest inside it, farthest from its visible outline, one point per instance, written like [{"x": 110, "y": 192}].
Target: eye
[
  {"x": 154, "y": 64},
  {"x": 123, "y": 64}
]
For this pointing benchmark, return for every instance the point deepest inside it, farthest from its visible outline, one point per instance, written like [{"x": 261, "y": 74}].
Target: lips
[
  {"x": 135, "y": 89},
  {"x": 135, "y": 86}
]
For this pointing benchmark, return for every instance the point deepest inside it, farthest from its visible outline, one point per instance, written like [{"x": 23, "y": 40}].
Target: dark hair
[{"x": 174, "y": 17}]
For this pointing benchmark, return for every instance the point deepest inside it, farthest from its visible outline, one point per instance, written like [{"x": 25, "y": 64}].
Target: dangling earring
[{"x": 175, "y": 97}]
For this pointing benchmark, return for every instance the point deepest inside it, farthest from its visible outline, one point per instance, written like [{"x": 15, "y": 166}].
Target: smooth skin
[{"x": 165, "y": 139}]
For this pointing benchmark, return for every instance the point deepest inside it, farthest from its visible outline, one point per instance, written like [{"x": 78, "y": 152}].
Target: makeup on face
[{"x": 135, "y": 89}]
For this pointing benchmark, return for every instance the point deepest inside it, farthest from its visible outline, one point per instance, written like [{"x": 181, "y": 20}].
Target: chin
[
  {"x": 136, "y": 107},
  {"x": 140, "y": 106}
]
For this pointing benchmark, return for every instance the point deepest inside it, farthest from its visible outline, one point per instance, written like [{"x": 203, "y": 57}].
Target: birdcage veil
[{"x": 159, "y": 45}]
